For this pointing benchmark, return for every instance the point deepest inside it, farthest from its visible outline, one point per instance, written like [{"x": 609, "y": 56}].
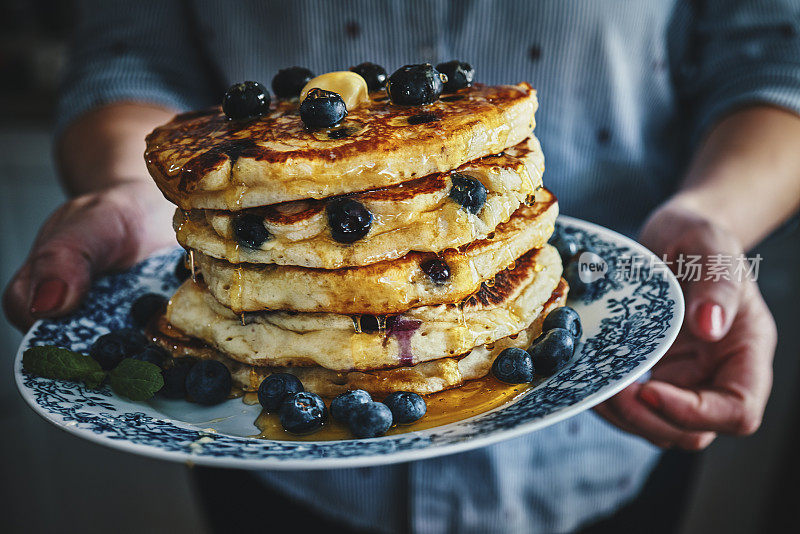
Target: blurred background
[{"x": 51, "y": 481}]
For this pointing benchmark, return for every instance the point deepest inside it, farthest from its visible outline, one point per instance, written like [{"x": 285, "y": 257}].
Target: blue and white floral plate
[{"x": 630, "y": 318}]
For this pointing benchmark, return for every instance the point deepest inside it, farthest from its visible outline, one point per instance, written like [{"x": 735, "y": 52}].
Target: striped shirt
[{"x": 626, "y": 89}]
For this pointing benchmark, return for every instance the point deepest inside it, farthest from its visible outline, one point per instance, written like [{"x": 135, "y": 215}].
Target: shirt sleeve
[
  {"x": 739, "y": 52},
  {"x": 139, "y": 51}
]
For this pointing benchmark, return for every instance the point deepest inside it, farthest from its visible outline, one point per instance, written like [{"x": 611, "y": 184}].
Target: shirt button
[
  {"x": 603, "y": 136},
  {"x": 352, "y": 29}
]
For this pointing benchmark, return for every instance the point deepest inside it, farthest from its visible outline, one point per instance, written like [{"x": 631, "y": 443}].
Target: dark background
[{"x": 50, "y": 481}]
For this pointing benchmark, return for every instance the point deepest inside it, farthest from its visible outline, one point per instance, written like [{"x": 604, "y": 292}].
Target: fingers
[
  {"x": 627, "y": 411},
  {"x": 60, "y": 274},
  {"x": 732, "y": 398},
  {"x": 712, "y": 300},
  {"x": 712, "y": 306},
  {"x": 683, "y": 367},
  {"x": 51, "y": 282},
  {"x": 106, "y": 230},
  {"x": 725, "y": 386},
  {"x": 704, "y": 409},
  {"x": 717, "y": 377},
  {"x": 85, "y": 236},
  {"x": 15, "y": 300}
]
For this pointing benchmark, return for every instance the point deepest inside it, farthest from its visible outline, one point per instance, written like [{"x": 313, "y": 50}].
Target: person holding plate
[{"x": 677, "y": 121}]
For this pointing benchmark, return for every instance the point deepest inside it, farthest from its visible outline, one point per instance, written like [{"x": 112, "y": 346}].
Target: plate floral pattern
[{"x": 629, "y": 323}]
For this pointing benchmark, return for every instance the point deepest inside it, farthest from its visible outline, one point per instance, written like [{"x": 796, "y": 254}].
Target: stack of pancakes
[{"x": 423, "y": 302}]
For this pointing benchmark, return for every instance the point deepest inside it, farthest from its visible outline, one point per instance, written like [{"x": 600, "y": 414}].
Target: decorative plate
[{"x": 630, "y": 317}]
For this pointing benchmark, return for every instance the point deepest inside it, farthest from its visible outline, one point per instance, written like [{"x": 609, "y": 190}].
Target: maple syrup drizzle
[
  {"x": 450, "y": 406},
  {"x": 191, "y": 262}
]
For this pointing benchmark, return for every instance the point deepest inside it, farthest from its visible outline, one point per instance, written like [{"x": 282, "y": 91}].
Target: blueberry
[
  {"x": 277, "y": 387},
  {"x": 245, "y": 100},
  {"x": 249, "y": 230},
  {"x": 414, "y": 85},
  {"x": 208, "y": 382},
  {"x": 406, "y": 407},
  {"x": 303, "y": 412},
  {"x": 538, "y": 339},
  {"x": 370, "y": 420},
  {"x": 136, "y": 342},
  {"x": 436, "y": 269},
  {"x": 342, "y": 405},
  {"x": 468, "y": 192},
  {"x": 369, "y": 323},
  {"x": 288, "y": 83},
  {"x": 566, "y": 245},
  {"x": 513, "y": 366},
  {"x": 565, "y": 318},
  {"x": 349, "y": 220},
  {"x": 373, "y": 74},
  {"x": 146, "y": 307},
  {"x": 322, "y": 109},
  {"x": 108, "y": 350},
  {"x": 552, "y": 351},
  {"x": 181, "y": 271},
  {"x": 152, "y": 354},
  {"x": 459, "y": 75},
  {"x": 175, "y": 378}
]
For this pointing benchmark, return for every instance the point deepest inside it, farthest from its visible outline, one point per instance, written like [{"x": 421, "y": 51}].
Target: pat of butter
[{"x": 349, "y": 85}]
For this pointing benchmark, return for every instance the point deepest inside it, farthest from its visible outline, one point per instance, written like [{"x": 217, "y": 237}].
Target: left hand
[{"x": 717, "y": 376}]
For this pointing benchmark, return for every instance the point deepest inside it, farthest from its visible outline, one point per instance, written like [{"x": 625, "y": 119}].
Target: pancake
[
  {"x": 418, "y": 216},
  {"x": 502, "y": 307},
  {"x": 384, "y": 287},
  {"x": 203, "y": 160},
  {"x": 424, "y": 378}
]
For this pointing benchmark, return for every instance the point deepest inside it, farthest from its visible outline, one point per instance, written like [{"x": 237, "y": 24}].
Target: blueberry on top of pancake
[{"x": 204, "y": 160}]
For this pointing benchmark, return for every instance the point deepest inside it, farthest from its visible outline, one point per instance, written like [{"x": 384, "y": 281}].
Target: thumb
[
  {"x": 60, "y": 276},
  {"x": 712, "y": 292},
  {"x": 96, "y": 237},
  {"x": 711, "y": 307}
]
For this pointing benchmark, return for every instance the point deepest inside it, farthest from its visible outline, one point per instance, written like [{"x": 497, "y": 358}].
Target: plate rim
[{"x": 371, "y": 460}]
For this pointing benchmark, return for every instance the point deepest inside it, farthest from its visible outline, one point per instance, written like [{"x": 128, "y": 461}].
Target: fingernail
[
  {"x": 48, "y": 296},
  {"x": 650, "y": 398},
  {"x": 711, "y": 318}
]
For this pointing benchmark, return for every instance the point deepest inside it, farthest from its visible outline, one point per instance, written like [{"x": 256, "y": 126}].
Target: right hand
[
  {"x": 716, "y": 377},
  {"x": 106, "y": 230}
]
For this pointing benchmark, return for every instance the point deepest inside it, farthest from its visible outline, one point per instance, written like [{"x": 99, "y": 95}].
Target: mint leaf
[
  {"x": 136, "y": 379},
  {"x": 49, "y": 361}
]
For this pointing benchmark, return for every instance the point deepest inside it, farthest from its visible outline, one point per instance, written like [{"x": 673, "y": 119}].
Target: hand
[
  {"x": 717, "y": 376},
  {"x": 110, "y": 229}
]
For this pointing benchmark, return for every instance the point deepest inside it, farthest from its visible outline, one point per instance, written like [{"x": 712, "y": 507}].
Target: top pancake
[{"x": 203, "y": 160}]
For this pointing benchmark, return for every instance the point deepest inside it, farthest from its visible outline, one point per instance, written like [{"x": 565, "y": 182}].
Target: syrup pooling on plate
[{"x": 473, "y": 398}]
